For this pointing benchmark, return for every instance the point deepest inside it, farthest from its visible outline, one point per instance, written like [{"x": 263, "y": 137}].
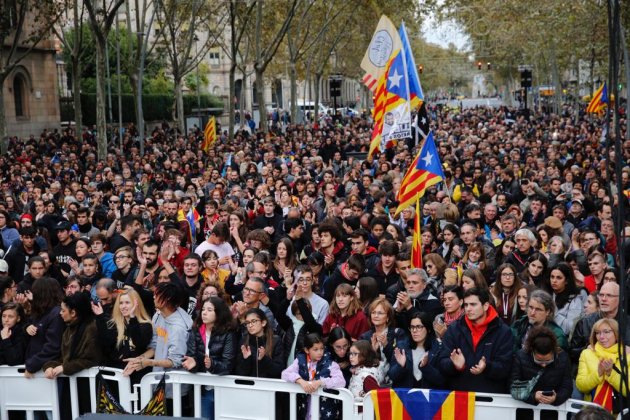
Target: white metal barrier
[
  {"x": 498, "y": 406},
  {"x": 36, "y": 394},
  {"x": 238, "y": 397}
]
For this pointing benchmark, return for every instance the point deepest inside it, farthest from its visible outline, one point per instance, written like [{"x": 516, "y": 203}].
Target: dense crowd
[{"x": 279, "y": 256}]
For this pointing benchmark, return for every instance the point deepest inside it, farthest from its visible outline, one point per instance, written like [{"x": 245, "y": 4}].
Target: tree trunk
[
  {"x": 626, "y": 61},
  {"x": 4, "y": 146},
  {"x": 179, "y": 105},
  {"x": 101, "y": 118},
  {"x": 243, "y": 98},
  {"x": 260, "y": 97},
  {"x": 318, "y": 79},
  {"x": 293, "y": 76},
  {"x": 76, "y": 95}
]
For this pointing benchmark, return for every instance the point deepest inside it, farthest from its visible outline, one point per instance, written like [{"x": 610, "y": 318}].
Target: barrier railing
[
  {"x": 235, "y": 396},
  {"x": 37, "y": 394},
  {"x": 238, "y": 397},
  {"x": 499, "y": 406}
]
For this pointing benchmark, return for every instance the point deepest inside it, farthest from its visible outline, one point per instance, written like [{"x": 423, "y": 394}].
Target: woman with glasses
[
  {"x": 568, "y": 297},
  {"x": 505, "y": 292},
  {"x": 339, "y": 342},
  {"x": 540, "y": 313},
  {"x": 260, "y": 354},
  {"x": 599, "y": 371},
  {"x": 435, "y": 266},
  {"x": 385, "y": 337},
  {"x": 541, "y": 355},
  {"x": 418, "y": 365}
]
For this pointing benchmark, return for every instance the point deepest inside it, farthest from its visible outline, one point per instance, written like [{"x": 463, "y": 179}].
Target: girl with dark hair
[
  {"x": 80, "y": 346},
  {"x": 367, "y": 371},
  {"x": 314, "y": 368},
  {"x": 453, "y": 302},
  {"x": 505, "y": 249},
  {"x": 535, "y": 271},
  {"x": 12, "y": 336},
  {"x": 505, "y": 292},
  {"x": 8, "y": 290},
  {"x": 339, "y": 342},
  {"x": 568, "y": 297},
  {"x": 284, "y": 263},
  {"x": 261, "y": 354},
  {"x": 418, "y": 366},
  {"x": 45, "y": 327},
  {"x": 366, "y": 291},
  {"x": 542, "y": 356},
  {"x": 211, "y": 346}
]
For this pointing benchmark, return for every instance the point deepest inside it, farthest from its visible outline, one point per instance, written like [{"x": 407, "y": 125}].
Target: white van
[{"x": 306, "y": 107}]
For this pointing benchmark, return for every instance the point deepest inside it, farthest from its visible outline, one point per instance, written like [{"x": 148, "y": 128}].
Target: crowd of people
[{"x": 279, "y": 256}]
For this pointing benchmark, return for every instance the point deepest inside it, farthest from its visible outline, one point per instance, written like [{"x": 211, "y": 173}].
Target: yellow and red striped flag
[
  {"x": 416, "y": 246},
  {"x": 412, "y": 404},
  {"x": 209, "y": 135},
  {"x": 599, "y": 101},
  {"x": 380, "y": 103}
]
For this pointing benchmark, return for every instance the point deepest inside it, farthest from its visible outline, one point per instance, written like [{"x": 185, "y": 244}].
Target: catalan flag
[
  {"x": 416, "y": 246},
  {"x": 424, "y": 172},
  {"x": 599, "y": 101},
  {"x": 416, "y": 97},
  {"x": 379, "y": 110},
  {"x": 603, "y": 395},
  {"x": 209, "y": 135},
  {"x": 192, "y": 218},
  {"x": 417, "y": 404}
]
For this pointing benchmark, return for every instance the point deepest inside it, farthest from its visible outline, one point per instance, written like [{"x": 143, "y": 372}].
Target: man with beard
[
  {"x": 84, "y": 225},
  {"x": 128, "y": 227},
  {"x": 148, "y": 262},
  {"x": 414, "y": 298}
]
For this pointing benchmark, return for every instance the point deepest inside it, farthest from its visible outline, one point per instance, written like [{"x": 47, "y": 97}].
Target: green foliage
[
  {"x": 155, "y": 107},
  {"x": 191, "y": 81},
  {"x": 158, "y": 85}
]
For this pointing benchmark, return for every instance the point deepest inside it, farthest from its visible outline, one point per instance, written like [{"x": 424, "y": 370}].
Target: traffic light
[
  {"x": 489, "y": 66},
  {"x": 420, "y": 68},
  {"x": 479, "y": 65}
]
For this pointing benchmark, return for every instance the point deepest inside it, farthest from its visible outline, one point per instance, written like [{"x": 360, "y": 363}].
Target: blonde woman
[{"x": 128, "y": 333}]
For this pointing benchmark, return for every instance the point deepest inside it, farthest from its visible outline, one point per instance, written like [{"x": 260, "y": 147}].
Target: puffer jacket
[
  {"x": 570, "y": 312},
  {"x": 221, "y": 350},
  {"x": 555, "y": 377}
]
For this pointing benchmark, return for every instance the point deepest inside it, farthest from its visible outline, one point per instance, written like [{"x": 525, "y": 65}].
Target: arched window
[{"x": 19, "y": 98}]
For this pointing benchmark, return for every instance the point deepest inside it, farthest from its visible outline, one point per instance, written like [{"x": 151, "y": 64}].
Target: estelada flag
[
  {"x": 416, "y": 246},
  {"x": 599, "y": 101},
  {"x": 418, "y": 404},
  {"x": 209, "y": 135},
  {"x": 424, "y": 172},
  {"x": 384, "y": 43}
]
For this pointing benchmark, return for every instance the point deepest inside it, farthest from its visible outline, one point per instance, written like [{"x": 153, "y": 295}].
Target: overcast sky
[{"x": 444, "y": 33}]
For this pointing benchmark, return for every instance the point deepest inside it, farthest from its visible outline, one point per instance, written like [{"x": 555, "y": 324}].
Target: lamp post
[
  {"x": 120, "y": 123},
  {"x": 196, "y": 40}
]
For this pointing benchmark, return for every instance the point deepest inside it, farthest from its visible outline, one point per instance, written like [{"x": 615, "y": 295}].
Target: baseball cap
[{"x": 62, "y": 225}]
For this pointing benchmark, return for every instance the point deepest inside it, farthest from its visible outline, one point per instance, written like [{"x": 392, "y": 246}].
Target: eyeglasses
[
  {"x": 416, "y": 327},
  {"x": 248, "y": 290},
  {"x": 603, "y": 332},
  {"x": 341, "y": 348},
  {"x": 120, "y": 257},
  {"x": 114, "y": 201},
  {"x": 252, "y": 322},
  {"x": 506, "y": 274}
]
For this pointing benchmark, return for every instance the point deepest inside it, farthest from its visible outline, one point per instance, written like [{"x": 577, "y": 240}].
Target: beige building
[{"x": 31, "y": 98}]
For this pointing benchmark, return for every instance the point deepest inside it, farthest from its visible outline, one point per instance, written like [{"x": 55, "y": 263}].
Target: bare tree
[
  {"x": 181, "y": 25},
  {"x": 101, "y": 19},
  {"x": 266, "y": 48},
  {"x": 74, "y": 46},
  {"x": 24, "y": 25}
]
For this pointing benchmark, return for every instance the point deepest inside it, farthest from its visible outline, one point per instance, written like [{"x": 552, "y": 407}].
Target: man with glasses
[
  {"x": 302, "y": 288},
  {"x": 21, "y": 252},
  {"x": 477, "y": 348},
  {"x": 256, "y": 295},
  {"x": 608, "y": 308}
]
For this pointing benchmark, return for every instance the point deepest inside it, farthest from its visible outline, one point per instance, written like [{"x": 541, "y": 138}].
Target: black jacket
[
  {"x": 582, "y": 333},
  {"x": 425, "y": 302},
  {"x": 136, "y": 340},
  {"x": 271, "y": 366},
  {"x": 556, "y": 376},
  {"x": 45, "y": 345},
  {"x": 495, "y": 345},
  {"x": 431, "y": 376},
  {"x": 17, "y": 258},
  {"x": 286, "y": 323},
  {"x": 221, "y": 350},
  {"x": 12, "y": 349}
]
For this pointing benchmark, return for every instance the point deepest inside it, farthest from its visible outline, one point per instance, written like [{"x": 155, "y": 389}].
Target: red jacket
[{"x": 356, "y": 324}]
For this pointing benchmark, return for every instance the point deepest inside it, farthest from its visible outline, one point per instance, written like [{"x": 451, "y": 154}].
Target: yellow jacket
[
  {"x": 588, "y": 378},
  {"x": 457, "y": 192}
]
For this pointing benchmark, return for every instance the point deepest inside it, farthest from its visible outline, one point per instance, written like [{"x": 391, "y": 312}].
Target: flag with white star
[
  {"x": 397, "y": 115},
  {"x": 424, "y": 172}
]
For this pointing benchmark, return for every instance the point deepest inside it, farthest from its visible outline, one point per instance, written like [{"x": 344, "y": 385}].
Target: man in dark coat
[{"x": 477, "y": 348}]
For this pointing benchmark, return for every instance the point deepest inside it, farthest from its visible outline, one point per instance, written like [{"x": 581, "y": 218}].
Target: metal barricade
[
  {"x": 30, "y": 395},
  {"x": 238, "y": 397}
]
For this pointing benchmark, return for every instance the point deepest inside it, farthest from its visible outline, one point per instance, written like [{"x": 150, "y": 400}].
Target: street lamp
[{"x": 196, "y": 39}]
